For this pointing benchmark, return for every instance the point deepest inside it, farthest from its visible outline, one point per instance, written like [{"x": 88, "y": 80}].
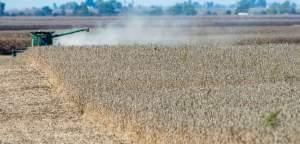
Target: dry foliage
[
  {"x": 183, "y": 93},
  {"x": 13, "y": 40},
  {"x": 218, "y": 87}
]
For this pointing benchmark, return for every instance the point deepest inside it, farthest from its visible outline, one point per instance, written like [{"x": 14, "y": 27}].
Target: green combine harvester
[{"x": 44, "y": 38}]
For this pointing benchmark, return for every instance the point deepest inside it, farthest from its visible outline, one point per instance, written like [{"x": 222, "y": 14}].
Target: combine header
[{"x": 44, "y": 38}]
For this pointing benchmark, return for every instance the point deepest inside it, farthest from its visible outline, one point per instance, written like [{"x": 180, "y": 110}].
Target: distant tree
[
  {"x": 288, "y": 7},
  {"x": 274, "y": 8},
  {"x": 293, "y": 8},
  {"x": 176, "y": 10},
  {"x": 245, "y": 5},
  {"x": 2, "y": 8},
  {"x": 185, "y": 8},
  {"x": 54, "y": 6},
  {"x": 208, "y": 13},
  {"x": 37, "y": 12},
  {"x": 285, "y": 8},
  {"x": 211, "y": 13},
  {"x": 90, "y": 3},
  {"x": 46, "y": 11},
  {"x": 82, "y": 10},
  {"x": 111, "y": 7},
  {"x": 261, "y": 3},
  {"x": 196, "y": 5},
  {"x": 228, "y": 12},
  {"x": 63, "y": 12},
  {"x": 209, "y": 5},
  {"x": 189, "y": 9}
]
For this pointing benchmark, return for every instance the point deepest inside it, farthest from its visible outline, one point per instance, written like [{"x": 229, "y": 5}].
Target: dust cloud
[{"x": 129, "y": 31}]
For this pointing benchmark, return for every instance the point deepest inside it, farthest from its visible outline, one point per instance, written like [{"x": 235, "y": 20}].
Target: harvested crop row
[{"x": 184, "y": 94}]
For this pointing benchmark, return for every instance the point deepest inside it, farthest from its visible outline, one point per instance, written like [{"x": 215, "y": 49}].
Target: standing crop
[{"x": 181, "y": 94}]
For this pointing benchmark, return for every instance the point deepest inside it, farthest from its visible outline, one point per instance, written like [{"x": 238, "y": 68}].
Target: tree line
[
  {"x": 286, "y": 7},
  {"x": 114, "y": 7}
]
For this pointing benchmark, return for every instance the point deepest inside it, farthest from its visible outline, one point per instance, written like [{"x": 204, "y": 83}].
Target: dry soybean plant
[
  {"x": 184, "y": 93},
  {"x": 13, "y": 40}
]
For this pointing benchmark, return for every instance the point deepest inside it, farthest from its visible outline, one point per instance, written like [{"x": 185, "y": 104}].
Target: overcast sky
[{"x": 11, "y": 4}]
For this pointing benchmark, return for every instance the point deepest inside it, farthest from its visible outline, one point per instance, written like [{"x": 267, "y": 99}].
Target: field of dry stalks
[
  {"x": 219, "y": 81},
  {"x": 183, "y": 93}
]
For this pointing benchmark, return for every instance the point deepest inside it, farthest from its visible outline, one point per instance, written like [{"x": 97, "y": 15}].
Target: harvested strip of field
[
  {"x": 184, "y": 94},
  {"x": 30, "y": 113},
  {"x": 29, "y": 23}
]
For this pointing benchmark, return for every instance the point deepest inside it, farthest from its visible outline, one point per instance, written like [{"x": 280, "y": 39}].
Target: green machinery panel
[{"x": 42, "y": 38}]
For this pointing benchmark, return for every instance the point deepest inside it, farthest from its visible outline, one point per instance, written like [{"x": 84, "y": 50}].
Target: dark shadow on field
[{"x": 11, "y": 51}]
